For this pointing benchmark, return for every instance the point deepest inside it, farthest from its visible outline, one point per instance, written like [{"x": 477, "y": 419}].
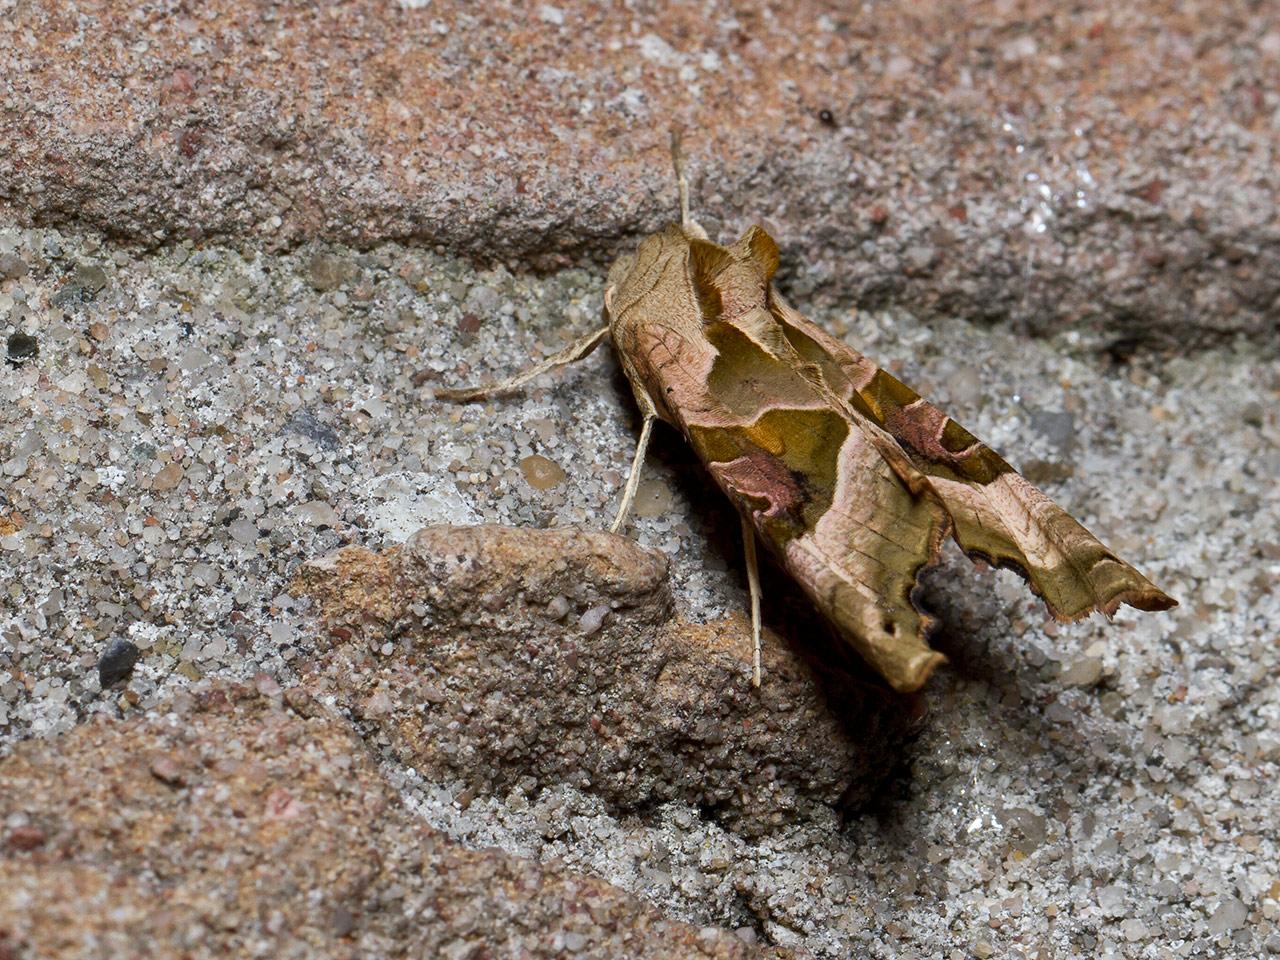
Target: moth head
[{"x": 632, "y": 273}]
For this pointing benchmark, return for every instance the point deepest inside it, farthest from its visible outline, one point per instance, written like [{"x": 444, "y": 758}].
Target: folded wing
[
  {"x": 831, "y": 508},
  {"x": 995, "y": 513},
  {"x": 849, "y": 477}
]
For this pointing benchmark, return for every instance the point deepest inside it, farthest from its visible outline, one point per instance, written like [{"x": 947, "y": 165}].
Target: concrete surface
[
  {"x": 1089, "y": 168},
  {"x": 197, "y": 400}
]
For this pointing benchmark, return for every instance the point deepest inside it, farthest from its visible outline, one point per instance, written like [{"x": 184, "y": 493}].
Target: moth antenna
[
  {"x": 687, "y": 223},
  {"x": 682, "y": 182},
  {"x": 574, "y": 351}
]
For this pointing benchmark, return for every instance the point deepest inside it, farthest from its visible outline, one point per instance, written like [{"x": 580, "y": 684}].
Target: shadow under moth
[{"x": 849, "y": 478}]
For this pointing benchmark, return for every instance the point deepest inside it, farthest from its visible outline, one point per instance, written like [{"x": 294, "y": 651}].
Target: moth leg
[
  {"x": 574, "y": 351},
  {"x": 633, "y": 479},
  {"x": 753, "y": 582}
]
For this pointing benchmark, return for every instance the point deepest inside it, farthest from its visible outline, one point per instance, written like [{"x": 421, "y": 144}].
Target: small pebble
[
  {"x": 317, "y": 513},
  {"x": 920, "y": 257},
  {"x": 90, "y": 278},
  {"x": 27, "y": 837},
  {"x": 541, "y": 473},
  {"x": 1083, "y": 672},
  {"x": 653, "y": 498},
  {"x": 558, "y": 608},
  {"x": 12, "y": 267},
  {"x": 117, "y": 662},
  {"x": 592, "y": 620},
  {"x": 168, "y": 478},
  {"x": 167, "y": 770},
  {"x": 329, "y": 271},
  {"x": 189, "y": 670},
  {"x": 266, "y": 684},
  {"x": 1133, "y": 930},
  {"x": 22, "y": 347},
  {"x": 1229, "y": 915}
]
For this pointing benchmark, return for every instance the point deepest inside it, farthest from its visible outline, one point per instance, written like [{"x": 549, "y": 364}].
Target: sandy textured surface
[
  {"x": 1110, "y": 171},
  {"x": 549, "y": 657},
  {"x": 197, "y": 424},
  {"x": 250, "y": 821},
  {"x": 215, "y": 392}
]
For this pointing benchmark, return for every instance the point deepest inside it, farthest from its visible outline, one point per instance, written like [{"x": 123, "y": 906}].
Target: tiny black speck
[
  {"x": 826, "y": 118},
  {"x": 22, "y": 347}
]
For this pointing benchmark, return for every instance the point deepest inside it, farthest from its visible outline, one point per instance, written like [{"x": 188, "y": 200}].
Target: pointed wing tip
[
  {"x": 1159, "y": 601},
  {"x": 915, "y": 672},
  {"x": 1150, "y": 599}
]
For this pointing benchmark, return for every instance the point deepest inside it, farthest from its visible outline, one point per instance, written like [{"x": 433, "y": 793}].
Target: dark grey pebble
[
  {"x": 90, "y": 278},
  {"x": 116, "y": 662},
  {"x": 70, "y": 294},
  {"x": 305, "y": 423},
  {"x": 22, "y": 347}
]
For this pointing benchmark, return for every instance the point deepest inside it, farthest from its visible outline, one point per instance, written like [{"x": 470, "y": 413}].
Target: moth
[{"x": 849, "y": 478}]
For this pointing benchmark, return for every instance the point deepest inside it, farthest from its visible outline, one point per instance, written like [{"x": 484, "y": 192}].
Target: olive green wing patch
[
  {"x": 816, "y": 486},
  {"x": 840, "y": 521}
]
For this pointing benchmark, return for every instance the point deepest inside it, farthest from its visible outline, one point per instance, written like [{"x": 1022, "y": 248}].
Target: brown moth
[{"x": 848, "y": 477}]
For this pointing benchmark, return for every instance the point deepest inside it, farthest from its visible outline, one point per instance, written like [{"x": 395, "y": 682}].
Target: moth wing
[
  {"x": 995, "y": 513},
  {"x": 814, "y": 482}
]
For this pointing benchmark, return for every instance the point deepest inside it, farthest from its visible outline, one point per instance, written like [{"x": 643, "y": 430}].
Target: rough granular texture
[
  {"x": 498, "y": 656},
  {"x": 1070, "y": 167},
  {"x": 187, "y": 428},
  {"x": 241, "y": 245},
  {"x": 234, "y": 825}
]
